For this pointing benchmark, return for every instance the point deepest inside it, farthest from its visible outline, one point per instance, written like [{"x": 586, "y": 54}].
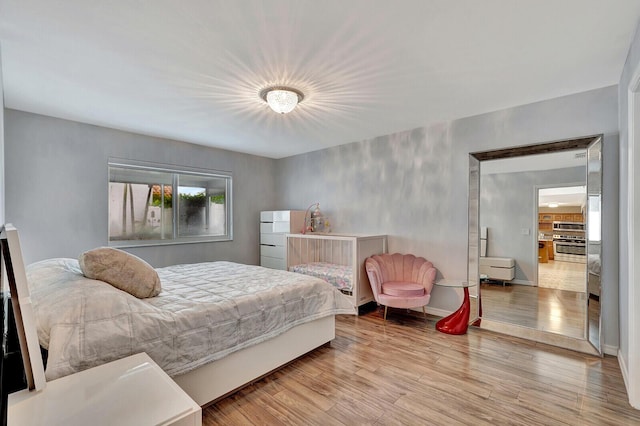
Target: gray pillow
[{"x": 122, "y": 270}]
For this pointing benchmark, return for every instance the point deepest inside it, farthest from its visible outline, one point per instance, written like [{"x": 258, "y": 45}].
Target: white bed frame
[
  {"x": 340, "y": 249},
  {"x": 206, "y": 384},
  {"x": 214, "y": 381}
]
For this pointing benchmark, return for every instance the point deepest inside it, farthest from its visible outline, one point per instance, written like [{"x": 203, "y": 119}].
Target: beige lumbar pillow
[{"x": 122, "y": 270}]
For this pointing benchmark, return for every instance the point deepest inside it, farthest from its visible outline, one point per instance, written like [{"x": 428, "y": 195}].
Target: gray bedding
[
  {"x": 204, "y": 312},
  {"x": 593, "y": 264}
]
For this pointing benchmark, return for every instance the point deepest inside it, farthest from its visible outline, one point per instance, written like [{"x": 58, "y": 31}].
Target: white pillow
[{"x": 122, "y": 270}]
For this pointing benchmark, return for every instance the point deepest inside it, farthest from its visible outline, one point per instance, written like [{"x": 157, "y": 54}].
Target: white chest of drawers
[{"x": 274, "y": 225}]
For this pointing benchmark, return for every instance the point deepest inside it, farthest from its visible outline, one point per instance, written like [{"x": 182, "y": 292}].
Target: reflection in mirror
[
  {"x": 562, "y": 275},
  {"x": 474, "y": 240},
  {"x": 594, "y": 258},
  {"x": 529, "y": 252}
]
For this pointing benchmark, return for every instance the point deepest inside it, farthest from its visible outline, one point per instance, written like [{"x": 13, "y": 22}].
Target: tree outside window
[{"x": 143, "y": 208}]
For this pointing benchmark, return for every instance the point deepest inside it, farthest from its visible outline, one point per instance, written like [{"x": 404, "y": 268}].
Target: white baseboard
[
  {"x": 624, "y": 370},
  {"x": 438, "y": 312},
  {"x": 522, "y": 282},
  {"x": 519, "y": 282},
  {"x": 610, "y": 350}
]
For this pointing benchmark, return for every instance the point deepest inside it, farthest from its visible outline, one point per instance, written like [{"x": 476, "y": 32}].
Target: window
[{"x": 155, "y": 205}]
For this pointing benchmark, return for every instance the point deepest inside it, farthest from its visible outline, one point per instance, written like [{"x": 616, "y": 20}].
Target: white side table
[{"x": 129, "y": 391}]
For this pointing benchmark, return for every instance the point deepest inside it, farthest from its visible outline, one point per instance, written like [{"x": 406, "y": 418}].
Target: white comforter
[{"x": 204, "y": 312}]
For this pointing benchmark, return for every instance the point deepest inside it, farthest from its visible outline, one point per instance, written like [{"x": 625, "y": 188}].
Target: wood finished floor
[
  {"x": 546, "y": 309},
  {"x": 568, "y": 276},
  {"x": 558, "y": 304},
  {"x": 406, "y": 373}
]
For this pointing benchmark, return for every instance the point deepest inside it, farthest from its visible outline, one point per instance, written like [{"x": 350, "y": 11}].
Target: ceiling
[
  {"x": 568, "y": 196},
  {"x": 573, "y": 196},
  {"x": 192, "y": 70},
  {"x": 563, "y": 196}
]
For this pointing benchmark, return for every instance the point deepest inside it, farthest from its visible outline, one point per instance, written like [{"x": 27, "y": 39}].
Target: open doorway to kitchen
[
  {"x": 562, "y": 254},
  {"x": 562, "y": 238}
]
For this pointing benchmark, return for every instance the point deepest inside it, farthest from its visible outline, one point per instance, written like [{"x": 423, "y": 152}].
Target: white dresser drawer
[
  {"x": 273, "y": 239},
  {"x": 271, "y": 227},
  {"x": 274, "y": 225},
  {"x": 279, "y": 252},
  {"x": 275, "y": 216},
  {"x": 273, "y": 263}
]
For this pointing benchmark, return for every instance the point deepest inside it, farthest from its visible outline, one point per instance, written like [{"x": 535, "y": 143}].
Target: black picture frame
[{"x": 13, "y": 266}]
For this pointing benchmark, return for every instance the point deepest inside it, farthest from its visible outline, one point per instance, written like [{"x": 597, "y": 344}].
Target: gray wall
[
  {"x": 507, "y": 204},
  {"x": 2, "y": 285},
  {"x": 628, "y": 331},
  {"x": 609, "y": 245},
  {"x": 56, "y": 188},
  {"x": 413, "y": 185},
  {"x": 1, "y": 142},
  {"x": 410, "y": 185}
]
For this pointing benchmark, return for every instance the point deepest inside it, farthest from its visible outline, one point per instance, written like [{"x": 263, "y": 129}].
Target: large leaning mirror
[{"x": 534, "y": 241}]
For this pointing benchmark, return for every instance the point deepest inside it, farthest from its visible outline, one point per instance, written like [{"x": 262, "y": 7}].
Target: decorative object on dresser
[
  {"x": 274, "y": 225},
  {"x": 337, "y": 259},
  {"x": 400, "y": 280},
  {"x": 314, "y": 220}
]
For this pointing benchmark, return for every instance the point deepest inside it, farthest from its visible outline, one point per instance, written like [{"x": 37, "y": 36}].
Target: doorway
[
  {"x": 562, "y": 259},
  {"x": 562, "y": 238}
]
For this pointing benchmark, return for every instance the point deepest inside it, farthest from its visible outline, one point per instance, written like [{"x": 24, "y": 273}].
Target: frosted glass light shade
[{"x": 282, "y": 99}]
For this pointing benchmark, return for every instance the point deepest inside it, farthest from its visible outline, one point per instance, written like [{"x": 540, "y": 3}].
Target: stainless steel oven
[
  {"x": 569, "y": 248},
  {"x": 565, "y": 247}
]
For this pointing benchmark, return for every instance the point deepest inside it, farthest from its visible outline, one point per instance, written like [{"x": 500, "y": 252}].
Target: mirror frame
[
  {"x": 586, "y": 345},
  {"x": 594, "y": 190}
]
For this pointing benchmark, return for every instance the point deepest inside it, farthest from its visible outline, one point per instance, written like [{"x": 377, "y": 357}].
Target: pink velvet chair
[{"x": 400, "y": 280}]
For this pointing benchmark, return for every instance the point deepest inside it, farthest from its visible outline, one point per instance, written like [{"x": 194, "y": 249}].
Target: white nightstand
[{"x": 129, "y": 391}]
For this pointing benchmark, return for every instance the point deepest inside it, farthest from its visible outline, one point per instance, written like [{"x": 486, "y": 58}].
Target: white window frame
[{"x": 140, "y": 166}]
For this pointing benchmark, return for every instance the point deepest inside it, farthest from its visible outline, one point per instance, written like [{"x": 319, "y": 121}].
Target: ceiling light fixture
[
  {"x": 282, "y": 99},
  {"x": 553, "y": 205}
]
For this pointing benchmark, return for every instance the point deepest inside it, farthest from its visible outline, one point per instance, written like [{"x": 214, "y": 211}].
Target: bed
[
  {"x": 337, "y": 259},
  {"x": 339, "y": 276},
  {"x": 593, "y": 278},
  {"x": 593, "y": 264},
  {"x": 214, "y": 327}
]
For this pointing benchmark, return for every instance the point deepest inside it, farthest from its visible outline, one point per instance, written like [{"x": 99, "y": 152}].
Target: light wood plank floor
[
  {"x": 406, "y": 373},
  {"x": 568, "y": 276},
  {"x": 546, "y": 309}
]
